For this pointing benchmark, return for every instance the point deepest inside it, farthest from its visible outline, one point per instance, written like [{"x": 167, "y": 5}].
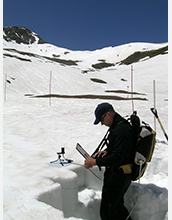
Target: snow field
[
  {"x": 27, "y": 162},
  {"x": 35, "y": 131}
]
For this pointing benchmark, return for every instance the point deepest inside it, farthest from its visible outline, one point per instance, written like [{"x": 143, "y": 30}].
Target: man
[{"x": 119, "y": 152}]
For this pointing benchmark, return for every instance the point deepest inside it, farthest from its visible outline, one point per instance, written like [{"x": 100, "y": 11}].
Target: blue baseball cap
[{"x": 101, "y": 110}]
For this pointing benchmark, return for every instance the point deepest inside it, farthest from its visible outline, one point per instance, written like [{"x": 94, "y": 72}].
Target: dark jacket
[
  {"x": 119, "y": 144},
  {"x": 115, "y": 184}
]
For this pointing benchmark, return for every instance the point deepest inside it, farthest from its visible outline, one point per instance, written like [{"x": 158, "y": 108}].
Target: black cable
[
  {"x": 89, "y": 170},
  {"x": 138, "y": 193}
]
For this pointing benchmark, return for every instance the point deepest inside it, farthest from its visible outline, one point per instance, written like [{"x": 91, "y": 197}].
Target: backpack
[{"x": 144, "y": 145}]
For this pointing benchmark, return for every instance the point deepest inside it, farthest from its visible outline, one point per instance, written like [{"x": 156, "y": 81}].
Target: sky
[{"x": 90, "y": 24}]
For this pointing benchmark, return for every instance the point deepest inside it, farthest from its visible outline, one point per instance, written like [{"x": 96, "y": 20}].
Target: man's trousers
[{"x": 112, "y": 204}]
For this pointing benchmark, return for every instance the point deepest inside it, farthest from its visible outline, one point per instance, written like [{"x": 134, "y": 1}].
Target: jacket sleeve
[{"x": 120, "y": 149}]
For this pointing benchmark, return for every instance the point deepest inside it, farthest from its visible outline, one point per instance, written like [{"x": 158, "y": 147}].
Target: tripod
[{"x": 61, "y": 159}]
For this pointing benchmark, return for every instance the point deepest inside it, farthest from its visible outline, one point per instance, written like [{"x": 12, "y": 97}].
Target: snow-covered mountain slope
[
  {"x": 36, "y": 61},
  {"x": 34, "y": 131}
]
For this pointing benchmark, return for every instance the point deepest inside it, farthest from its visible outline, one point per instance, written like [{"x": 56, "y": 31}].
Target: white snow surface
[{"x": 34, "y": 131}]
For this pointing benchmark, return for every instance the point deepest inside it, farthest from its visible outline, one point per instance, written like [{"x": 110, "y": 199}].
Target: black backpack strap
[
  {"x": 104, "y": 140},
  {"x": 102, "y": 143}
]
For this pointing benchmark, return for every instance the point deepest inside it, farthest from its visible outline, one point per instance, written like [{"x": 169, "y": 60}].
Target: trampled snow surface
[{"x": 34, "y": 131}]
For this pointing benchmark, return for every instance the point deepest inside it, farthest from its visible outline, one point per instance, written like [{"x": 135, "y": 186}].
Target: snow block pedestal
[{"x": 69, "y": 191}]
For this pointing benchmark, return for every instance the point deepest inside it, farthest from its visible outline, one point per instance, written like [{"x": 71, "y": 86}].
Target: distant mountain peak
[{"x": 21, "y": 35}]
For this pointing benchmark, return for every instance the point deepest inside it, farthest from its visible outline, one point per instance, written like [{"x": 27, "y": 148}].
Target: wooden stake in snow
[
  {"x": 154, "y": 100},
  {"x": 50, "y": 88},
  {"x": 5, "y": 88},
  {"x": 132, "y": 88}
]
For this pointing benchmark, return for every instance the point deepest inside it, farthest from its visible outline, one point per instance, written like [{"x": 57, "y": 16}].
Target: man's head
[{"x": 104, "y": 113}]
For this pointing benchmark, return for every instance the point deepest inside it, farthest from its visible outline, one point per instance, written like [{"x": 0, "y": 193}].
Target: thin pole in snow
[
  {"x": 132, "y": 88},
  {"x": 154, "y": 101},
  {"x": 5, "y": 88},
  {"x": 50, "y": 88}
]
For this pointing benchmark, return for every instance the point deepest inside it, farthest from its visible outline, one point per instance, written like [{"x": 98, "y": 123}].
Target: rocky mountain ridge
[{"x": 21, "y": 35}]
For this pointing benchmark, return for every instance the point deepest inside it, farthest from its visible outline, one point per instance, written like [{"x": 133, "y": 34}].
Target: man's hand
[
  {"x": 100, "y": 154},
  {"x": 89, "y": 162}
]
